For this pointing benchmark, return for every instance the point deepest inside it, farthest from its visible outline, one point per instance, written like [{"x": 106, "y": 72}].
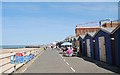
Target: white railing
[{"x": 8, "y": 67}]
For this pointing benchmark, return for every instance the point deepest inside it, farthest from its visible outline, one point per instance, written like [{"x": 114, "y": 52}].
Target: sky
[
  {"x": 34, "y": 23},
  {"x": 59, "y": 0}
]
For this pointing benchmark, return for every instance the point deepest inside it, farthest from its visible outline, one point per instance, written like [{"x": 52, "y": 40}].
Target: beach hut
[
  {"x": 72, "y": 41},
  {"x": 82, "y": 45},
  {"x": 77, "y": 42},
  {"x": 103, "y": 45},
  {"x": 89, "y": 43},
  {"x": 115, "y": 37}
]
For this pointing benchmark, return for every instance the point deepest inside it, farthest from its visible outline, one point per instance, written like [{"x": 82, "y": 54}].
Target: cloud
[
  {"x": 89, "y": 6},
  {"x": 21, "y": 6}
]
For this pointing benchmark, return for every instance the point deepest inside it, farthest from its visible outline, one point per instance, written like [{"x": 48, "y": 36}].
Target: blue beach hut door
[
  {"x": 88, "y": 48},
  {"x": 102, "y": 50}
]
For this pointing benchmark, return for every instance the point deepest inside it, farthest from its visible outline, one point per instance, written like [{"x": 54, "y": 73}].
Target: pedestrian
[
  {"x": 44, "y": 48},
  {"x": 66, "y": 48}
]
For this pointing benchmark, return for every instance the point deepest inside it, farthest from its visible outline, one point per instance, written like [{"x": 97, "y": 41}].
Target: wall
[
  {"x": 83, "y": 31},
  {"x": 117, "y": 46},
  {"x": 107, "y": 46},
  {"x": 113, "y": 24},
  {"x": 91, "y": 45}
]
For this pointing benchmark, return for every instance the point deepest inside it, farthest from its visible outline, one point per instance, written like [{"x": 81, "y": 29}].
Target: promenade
[
  {"x": 5, "y": 54},
  {"x": 52, "y": 61}
]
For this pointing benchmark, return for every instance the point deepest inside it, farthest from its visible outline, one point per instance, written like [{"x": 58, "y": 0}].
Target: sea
[{"x": 11, "y": 46}]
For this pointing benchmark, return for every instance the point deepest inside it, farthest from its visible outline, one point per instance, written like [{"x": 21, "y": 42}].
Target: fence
[{"x": 13, "y": 64}]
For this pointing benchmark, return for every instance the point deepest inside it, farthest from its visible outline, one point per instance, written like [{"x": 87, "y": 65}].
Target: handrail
[
  {"x": 8, "y": 69},
  {"x": 35, "y": 50},
  {"x": 5, "y": 57},
  {"x": 4, "y": 64}
]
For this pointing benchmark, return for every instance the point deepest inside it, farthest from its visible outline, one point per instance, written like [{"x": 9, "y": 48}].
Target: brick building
[
  {"x": 83, "y": 30},
  {"x": 79, "y": 30},
  {"x": 111, "y": 24}
]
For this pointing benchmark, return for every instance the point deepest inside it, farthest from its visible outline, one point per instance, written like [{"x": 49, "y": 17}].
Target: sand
[{"x": 4, "y": 51}]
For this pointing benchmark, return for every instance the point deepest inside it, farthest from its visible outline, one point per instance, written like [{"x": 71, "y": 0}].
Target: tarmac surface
[{"x": 52, "y": 61}]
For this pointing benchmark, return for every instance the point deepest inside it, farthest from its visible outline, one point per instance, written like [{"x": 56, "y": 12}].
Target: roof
[
  {"x": 87, "y": 27},
  {"x": 77, "y": 38},
  {"x": 82, "y": 36},
  {"x": 108, "y": 30},
  {"x": 91, "y": 33},
  {"x": 118, "y": 27}
]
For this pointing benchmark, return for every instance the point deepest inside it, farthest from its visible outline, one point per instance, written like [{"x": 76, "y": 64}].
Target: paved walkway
[{"x": 51, "y": 61}]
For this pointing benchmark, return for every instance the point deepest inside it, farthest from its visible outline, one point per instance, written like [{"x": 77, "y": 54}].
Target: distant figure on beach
[
  {"x": 52, "y": 47},
  {"x": 65, "y": 49},
  {"x": 44, "y": 48}
]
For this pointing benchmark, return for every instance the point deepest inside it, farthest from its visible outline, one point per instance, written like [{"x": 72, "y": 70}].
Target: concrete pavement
[{"x": 51, "y": 61}]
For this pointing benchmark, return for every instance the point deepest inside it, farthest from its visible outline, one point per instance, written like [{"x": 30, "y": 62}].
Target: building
[
  {"x": 103, "y": 45},
  {"x": 90, "y": 45},
  {"x": 68, "y": 39},
  {"x": 77, "y": 42},
  {"x": 83, "y": 30},
  {"x": 110, "y": 24},
  {"x": 80, "y": 30},
  {"x": 115, "y": 37},
  {"x": 82, "y": 45}
]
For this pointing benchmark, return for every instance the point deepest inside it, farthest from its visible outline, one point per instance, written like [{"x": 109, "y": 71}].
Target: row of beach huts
[{"x": 102, "y": 44}]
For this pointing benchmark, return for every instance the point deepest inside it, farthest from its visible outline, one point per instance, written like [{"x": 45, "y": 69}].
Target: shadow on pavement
[{"x": 112, "y": 68}]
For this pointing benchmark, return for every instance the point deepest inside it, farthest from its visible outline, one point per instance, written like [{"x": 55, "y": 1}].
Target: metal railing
[{"x": 14, "y": 66}]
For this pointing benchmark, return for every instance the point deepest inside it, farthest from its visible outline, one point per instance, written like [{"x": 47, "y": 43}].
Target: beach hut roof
[
  {"x": 115, "y": 29},
  {"x": 112, "y": 30},
  {"x": 91, "y": 33},
  {"x": 107, "y": 30},
  {"x": 77, "y": 38},
  {"x": 82, "y": 36}
]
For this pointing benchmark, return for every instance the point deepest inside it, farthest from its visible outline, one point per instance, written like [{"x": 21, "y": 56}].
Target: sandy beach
[{"x": 4, "y": 51}]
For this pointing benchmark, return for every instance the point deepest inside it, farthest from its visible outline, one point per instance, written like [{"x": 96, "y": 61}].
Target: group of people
[{"x": 68, "y": 51}]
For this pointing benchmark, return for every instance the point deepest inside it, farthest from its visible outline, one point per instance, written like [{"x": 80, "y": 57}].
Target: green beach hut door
[
  {"x": 88, "y": 47},
  {"x": 102, "y": 48}
]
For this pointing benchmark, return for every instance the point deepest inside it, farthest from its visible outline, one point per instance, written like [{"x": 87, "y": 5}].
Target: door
[
  {"x": 80, "y": 47},
  {"x": 102, "y": 50},
  {"x": 88, "y": 47}
]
